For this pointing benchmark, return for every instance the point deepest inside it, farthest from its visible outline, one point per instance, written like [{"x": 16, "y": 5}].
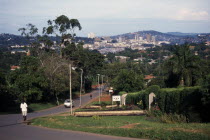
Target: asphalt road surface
[{"x": 12, "y": 128}]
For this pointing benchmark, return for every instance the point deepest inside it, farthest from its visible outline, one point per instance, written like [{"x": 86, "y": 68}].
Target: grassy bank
[
  {"x": 40, "y": 106},
  {"x": 128, "y": 126}
]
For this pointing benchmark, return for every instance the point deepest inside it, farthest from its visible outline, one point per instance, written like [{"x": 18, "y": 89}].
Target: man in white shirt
[{"x": 23, "y": 107}]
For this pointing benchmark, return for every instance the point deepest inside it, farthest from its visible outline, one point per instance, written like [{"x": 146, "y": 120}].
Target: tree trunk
[
  {"x": 181, "y": 82},
  {"x": 57, "y": 99}
]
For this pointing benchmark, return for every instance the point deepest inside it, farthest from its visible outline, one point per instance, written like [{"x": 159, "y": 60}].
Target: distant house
[
  {"x": 122, "y": 59},
  {"x": 142, "y": 51},
  {"x": 18, "y": 51},
  {"x": 207, "y": 50},
  {"x": 28, "y": 53},
  {"x": 196, "y": 53},
  {"x": 139, "y": 59},
  {"x": 191, "y": 47},
  {"x": 208, "y": 43},
  {"x": 97, "y": 39},
  {"x": 148, "y": 78},
  {"x": 107, "y": 38},
  {"x": 14, "y": 67},
  {"x": 167, "y": 57},
  {"x": 152, "y": 62}
]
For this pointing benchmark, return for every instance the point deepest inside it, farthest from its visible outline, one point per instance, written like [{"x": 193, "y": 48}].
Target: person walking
[
  {"x": 91, "y": 95},
  {"x": 23, "y": 107}
]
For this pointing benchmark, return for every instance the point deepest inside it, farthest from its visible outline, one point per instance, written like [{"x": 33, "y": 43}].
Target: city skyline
[{"x": 105, "y": 18}]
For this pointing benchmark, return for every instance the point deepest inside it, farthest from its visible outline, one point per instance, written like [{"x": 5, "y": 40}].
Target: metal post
[
  {"x": 102, "y": 86},
  {"x": 99, "y": 89},
  {"x": 81, "y": 88},
  {"x": 70, "y": 91}
]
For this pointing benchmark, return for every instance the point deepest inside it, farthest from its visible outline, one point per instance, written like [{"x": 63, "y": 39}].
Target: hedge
[
  {"x": 186, "y": 101},
  {"x": 138, "y": 97}
]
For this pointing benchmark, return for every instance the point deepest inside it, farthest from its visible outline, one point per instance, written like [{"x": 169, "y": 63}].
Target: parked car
[{"x": 67, "y": 103}]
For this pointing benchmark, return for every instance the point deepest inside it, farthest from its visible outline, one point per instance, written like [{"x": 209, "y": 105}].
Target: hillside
[
  {"x": 7, "y": 40},
  {"x": 173, "y": 37}
]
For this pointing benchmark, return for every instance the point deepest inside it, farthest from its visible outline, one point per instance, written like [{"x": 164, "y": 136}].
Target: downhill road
[{"x": 12, "y": 128}]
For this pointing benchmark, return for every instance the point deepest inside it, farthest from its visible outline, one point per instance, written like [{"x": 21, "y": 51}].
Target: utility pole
[
  {"x": 70, "y": 89},
  {"x": 81, "y": 88},
  {"x": 102, "y": 86},
  {"x": 99, "y": 89}
]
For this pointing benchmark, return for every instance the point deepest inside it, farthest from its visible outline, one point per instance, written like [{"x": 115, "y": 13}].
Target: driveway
[{"x": 12, "y": 128}]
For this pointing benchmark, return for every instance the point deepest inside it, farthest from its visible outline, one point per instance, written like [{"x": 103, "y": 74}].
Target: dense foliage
[
  {"x": 191, "y": 102},
  {"x": 44, "y": 74}
]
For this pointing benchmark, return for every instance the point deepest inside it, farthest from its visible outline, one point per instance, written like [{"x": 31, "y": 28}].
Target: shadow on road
[{"x": 10, "y": 124}]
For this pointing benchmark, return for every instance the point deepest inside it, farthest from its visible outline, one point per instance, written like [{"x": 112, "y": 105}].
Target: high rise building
[
  {"x": 141, "y": 38},
  {"x": 153, "y": 39},
  {"x": 120, "y": 39},
  {"x": 136, "y": 37},
  {"x": 148, "y": 37},
  {"x": 91, "y": 35}
]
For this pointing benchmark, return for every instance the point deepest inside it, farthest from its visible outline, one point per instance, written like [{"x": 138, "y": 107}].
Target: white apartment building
[{"x": 91, "y": 35}]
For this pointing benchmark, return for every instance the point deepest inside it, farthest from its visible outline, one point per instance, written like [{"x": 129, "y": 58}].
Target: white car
[{"x": 67, "y": 103}]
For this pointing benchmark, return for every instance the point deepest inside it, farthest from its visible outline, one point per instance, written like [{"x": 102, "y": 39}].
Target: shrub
[
  {"x": 154, "y": 113},
  {"x": 122, "y": 92},
  {"x": 103, "y": 104},
  {"x": 153, "y": 88},
  {"x": 97, "y": 103},
  {"x": 136, "y": 97},
  {"x": 96, "y": 117},
  {"x": 140, "y": 104},
  {"x": 173, "y": 118}
]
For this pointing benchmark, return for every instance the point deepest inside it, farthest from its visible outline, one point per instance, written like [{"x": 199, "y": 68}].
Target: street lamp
[
  {"x": 70, "y": 89},
  {"x": 99, "y": 88},
  {"x": 102, "y": 86},
  {"x": 81, "y": 87}
]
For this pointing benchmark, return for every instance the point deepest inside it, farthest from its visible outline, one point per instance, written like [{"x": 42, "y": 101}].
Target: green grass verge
[
  {"x": 40, "y": 106},
  {"x": 134, "y": 126}
]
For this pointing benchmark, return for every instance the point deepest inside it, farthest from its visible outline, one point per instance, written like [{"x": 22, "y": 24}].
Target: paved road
[{"x": 11, "y": 127}]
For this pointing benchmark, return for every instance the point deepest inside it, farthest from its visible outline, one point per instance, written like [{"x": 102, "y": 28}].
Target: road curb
[{"x": 89, "y": 133}]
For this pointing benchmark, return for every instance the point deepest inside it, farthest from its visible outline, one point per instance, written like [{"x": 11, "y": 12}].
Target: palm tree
[{"x": 184, "y": 65}]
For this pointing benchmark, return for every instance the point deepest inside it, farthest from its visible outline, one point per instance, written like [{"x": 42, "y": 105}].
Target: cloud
[
  {"x": 116, "y": 15},
  {"x": 186, "y": 14}
]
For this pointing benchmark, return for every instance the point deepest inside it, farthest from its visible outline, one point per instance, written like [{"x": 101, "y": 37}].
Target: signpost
[
  {"x": 116, "y": 98},
  {"x": 110, "y": 91}
]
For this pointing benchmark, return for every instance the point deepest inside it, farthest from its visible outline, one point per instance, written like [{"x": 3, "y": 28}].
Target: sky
[{"x": 109, "y": 17}]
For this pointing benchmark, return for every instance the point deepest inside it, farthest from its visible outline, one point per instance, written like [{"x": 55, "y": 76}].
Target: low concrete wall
[
  {"x": 110, "y": 113},
  {"x": 96, "y": 106}
]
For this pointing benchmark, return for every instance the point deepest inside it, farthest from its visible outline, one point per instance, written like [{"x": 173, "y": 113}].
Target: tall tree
[
  {"x": 128, "y": 80},
  {"x": 184, "y": 66},
  {"x": 29, "y": 31},
  {"x": 6, "y": 97},
  {"x": 56, "y": 71},
  {"x": 111, "y": 57},
  {"x": 64, "y": 27},
  {"x": 28, "y": 81}
]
